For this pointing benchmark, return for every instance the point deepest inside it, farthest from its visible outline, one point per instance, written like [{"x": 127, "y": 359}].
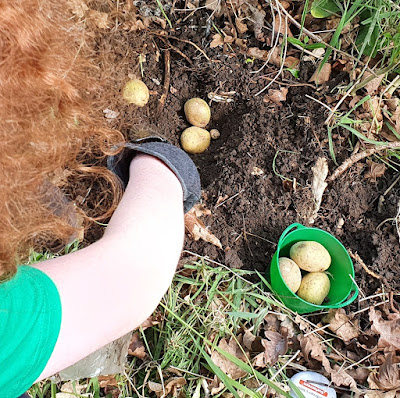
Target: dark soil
[{"x": 253, "y": 134}]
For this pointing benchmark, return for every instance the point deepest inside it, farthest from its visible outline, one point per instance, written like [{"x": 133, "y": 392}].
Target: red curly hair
[{"x": 49, "y": 135}]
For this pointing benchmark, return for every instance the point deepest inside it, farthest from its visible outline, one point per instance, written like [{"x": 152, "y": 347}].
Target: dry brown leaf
[
  {"x": 197, "y": 229},
  {"x": 173, "y": 385},
  {"x": 322, "y": 76},
  {"x": 341, "y": 378},
  {"x": 373, "y": 106},
  {"x": 225, "y": 364},
  {"x": 71, "y": 389},
  {"x": 152, "y": 320},
  {"x": 375, "y": 170},
  {"x": 281, "y": 26},
  {"x": 251, "y": 342},
  {"x": 256, "y": 53},
  {"x": 275, "y": 344},
  {"x": 136, "y": 347},
  {"x": 216, "y": 386},
  {"x": 155, "y": 387},
  {"x": 217, "y": 40},
  {"x": 360, "y": 375},
  {"x": 100, "y": 19},
  {"x": 388, "y": 376},
  {"x": 373, "y": 84},
  {"x": 240, "y": 25},
  {"x": 215, "y": 6},
  {"x": 107, "y": 381},
  {"x": 276, "y": 96},
  {"x": 320, "y": 172},
  {"x": 380, "y": 394},
  {"x": 389, "y": 331},
  {"x": 340, "y": 324},
  {"x": 313, "y": 348}
]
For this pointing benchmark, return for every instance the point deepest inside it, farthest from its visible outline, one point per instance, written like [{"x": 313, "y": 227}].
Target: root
[
  {"x": 359, "y": 156},
  {"x": 167, "y": 79},
  {"x": 357, "y": 258}
]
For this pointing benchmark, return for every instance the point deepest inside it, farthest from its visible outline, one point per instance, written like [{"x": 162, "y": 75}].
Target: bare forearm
[{"x": 123, "y": 276}]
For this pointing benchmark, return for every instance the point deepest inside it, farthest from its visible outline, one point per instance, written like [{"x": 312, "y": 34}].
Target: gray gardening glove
[{"x": 175, "y": 158}]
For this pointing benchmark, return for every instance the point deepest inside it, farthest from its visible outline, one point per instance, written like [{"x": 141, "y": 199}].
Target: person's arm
[{"x": 112, "y": 286}]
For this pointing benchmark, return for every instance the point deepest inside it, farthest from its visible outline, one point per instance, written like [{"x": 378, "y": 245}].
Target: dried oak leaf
[
  {"x": 340, "y": 324},
  {"x": 380, "y": 394},
  {"x": 389, "y": 331},
  {"x": 136, "y": 347},
  {"x": 373, "y": 106},
  {"x": 256, "y": 53},
  {"x": 341, "y": 378},
  {"x": 217, "y": 40},
  {"x": 274, "y": 345},
  {"x": 196, "y": 228},
  {"x": 322, "y": 75},
  {"x": 240, "y": 25},
  {"x": 251, "y": 342},
  {"x": 225, "y": 364},
  {"x": 171, "y": 387},
  {"x": 276, "y": 96},
  {"x": 388, "y": 376},
  {"x": 281, "y": 26},
  {"x": 375, "y": 170},
  {"x": 107, "y": 381},
  {"x": 372, "y": 85}
]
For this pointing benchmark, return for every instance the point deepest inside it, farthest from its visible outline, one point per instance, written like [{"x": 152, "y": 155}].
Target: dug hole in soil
[{"x": 253, "y": 133}]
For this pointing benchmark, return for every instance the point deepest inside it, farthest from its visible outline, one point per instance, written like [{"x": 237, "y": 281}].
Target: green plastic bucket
[{"x": 343, "y": 290}]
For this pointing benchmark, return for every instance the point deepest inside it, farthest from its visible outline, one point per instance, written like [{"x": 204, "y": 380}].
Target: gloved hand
[{"x": 175, "y": 158}]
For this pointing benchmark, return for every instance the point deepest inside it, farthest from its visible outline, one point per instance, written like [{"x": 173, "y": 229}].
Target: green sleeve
[{"x": 30, "y": 319}]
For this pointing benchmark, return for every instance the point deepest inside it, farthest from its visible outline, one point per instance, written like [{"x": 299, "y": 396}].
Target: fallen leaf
[
  {"x": 173, "y": 385},
  {"x": 100, "y": 19},
  {"x": 152, "y": 320},
  {"x": 388, "y": 376},
  {"x": 251, "y": 342},
  {"x": 360, "y": 375},
  {"x": 322, "y": 75},
  {"x": 216, "y": 386},
  {"x": 136, "y": 347},
  {"x": 240, "y": 25},
  {"x": 71, "y": 389},
  {"x": 197, "y": 229},
  {"x": 256, "y": 53},
  {"x": 373, "y": 106},
  {"x": 341, "y": 378},
  {"x": 155, "y": 387},
  {"x": 375, "y": 170},
  {"x": 380, "y": 394},
  {"x": 276, "y": 96},
  {"x": 340, "y": 324},
  {"x": 389, "y": 331},
  {"x": 313, "y": 348},
  {"x": 373, "y": 85},
  {"x": 217, "y": 40},
  {"x": 215, "y": 6},
  {"x": 107, "y": 381},
  {"x": 281, "y": 26},
  {"x": 221, "y": 199},
  {"x": 274, "y": 345},
  {"x": 225, "y": 364}
]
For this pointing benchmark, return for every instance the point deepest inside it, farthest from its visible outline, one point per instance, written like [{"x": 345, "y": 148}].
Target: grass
[{"x": 204, "y": 304}]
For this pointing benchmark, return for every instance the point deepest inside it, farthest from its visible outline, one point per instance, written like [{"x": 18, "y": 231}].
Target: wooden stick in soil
[
  {"x": 359, "y": 156},
  {"x": 357, "y": 258},
  {"x": 167, "y": 79}
]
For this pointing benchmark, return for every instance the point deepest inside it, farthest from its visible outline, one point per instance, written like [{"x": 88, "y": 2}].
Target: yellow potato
[
  {"x": 310, "y": 256},
  {"x": 136, "y": 92},
  {"x": 197, "y": 112},
  {"x": 291, "y": 273},
  {"x": 314, "y": 287},
  {"x": 195, "y": 140}
]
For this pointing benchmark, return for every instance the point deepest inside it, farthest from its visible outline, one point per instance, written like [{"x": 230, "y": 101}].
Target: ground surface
[{"x": 253, "y": 133}]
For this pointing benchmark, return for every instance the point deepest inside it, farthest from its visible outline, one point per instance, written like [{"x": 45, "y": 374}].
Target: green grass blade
[
  {"x": 360, "y": 135},
  {"x": 331, "y": 146}
]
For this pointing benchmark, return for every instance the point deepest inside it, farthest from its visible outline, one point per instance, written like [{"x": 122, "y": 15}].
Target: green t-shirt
[{"x": 30, "y": 319}]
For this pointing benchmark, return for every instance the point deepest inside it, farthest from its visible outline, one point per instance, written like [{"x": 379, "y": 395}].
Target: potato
[
  {"x": 215, "y": 134},
  {"x": 314, "y": 287},
  {"x": 197, "y": 112},
  {"x": 195, "y": 140},
  {"x": 290, "y": 272},
  {"x": 310, "y": 256},
  {"x": 136, "y": 92}
]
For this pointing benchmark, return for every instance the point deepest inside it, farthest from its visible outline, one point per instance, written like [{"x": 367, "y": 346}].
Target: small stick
[
  {"x": 359, "y": 156},
  {"x": 393, "y": 308},
  {"x": 173, "y": 48},
  {"x": 184, "y": 41},
  {"x": 167, "y": 79},
  {"x": 356, "y": 257}
]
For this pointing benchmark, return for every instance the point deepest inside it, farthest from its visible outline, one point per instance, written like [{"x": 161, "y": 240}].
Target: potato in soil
[
  {"x": 195, "y": 140},
  {"x": 290, "y": 273},
  {"x": 310, "y": 256},
  {"x": 197, "y": 112},
  {"x": 314, "y": 287},
  {"x": 136, "y": 92}
]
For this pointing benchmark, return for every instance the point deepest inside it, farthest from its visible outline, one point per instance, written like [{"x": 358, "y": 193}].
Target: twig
[
  {"x": 184, "y": 41},
  {"x": 359, "y": 156},
  {"x": 167, "y": 79},
  {"x": 392, "y": 307},
  {"x": 173, "y": 48},
  {"x": 233, "y": 196},
  {"x": 357, "y": 258}
]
